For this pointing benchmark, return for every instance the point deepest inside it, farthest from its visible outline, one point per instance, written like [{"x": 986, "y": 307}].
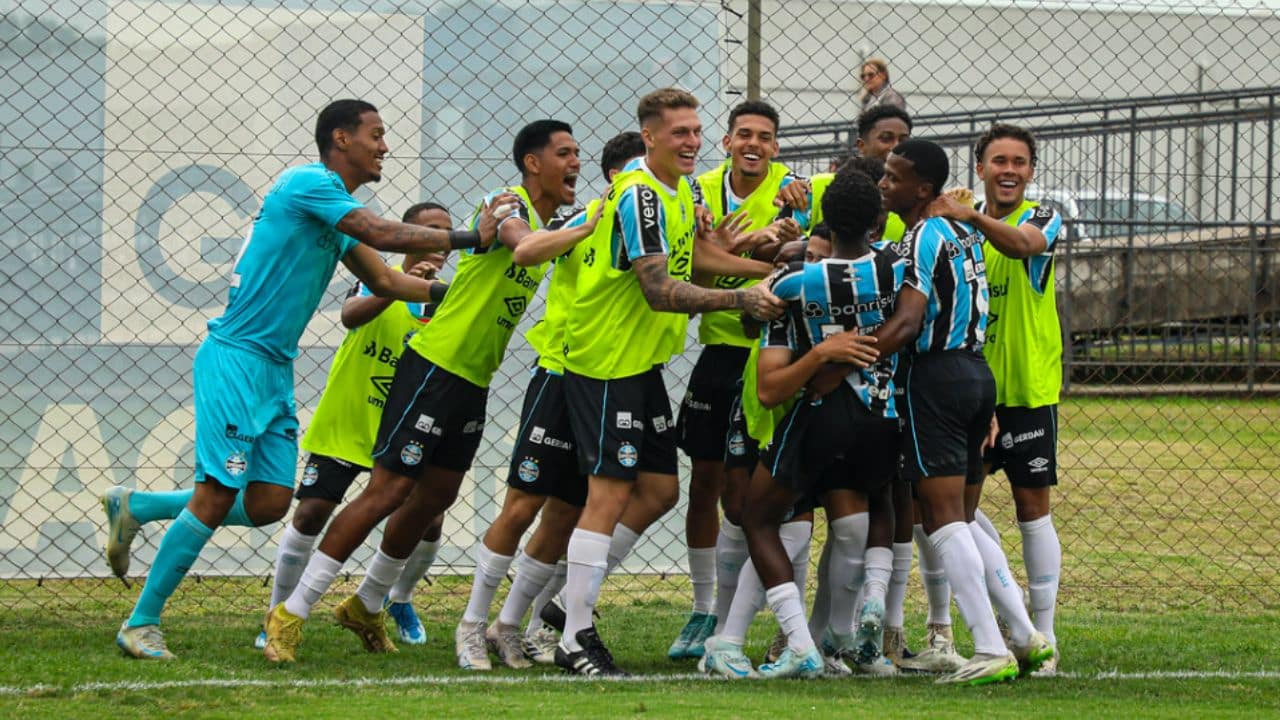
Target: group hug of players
[{"x": 858, "y": 376}]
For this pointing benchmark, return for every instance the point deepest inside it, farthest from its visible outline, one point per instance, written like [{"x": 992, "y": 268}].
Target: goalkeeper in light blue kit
[{"x": 246, "y": 426}]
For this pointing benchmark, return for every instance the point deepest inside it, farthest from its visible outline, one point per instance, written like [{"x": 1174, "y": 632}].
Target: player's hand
[
  {"x": 849, "y": 347},
  {"x": 726, "y": 232},
  {"x": 424, "y": 269},
  {"x": 493, "y": 213},
  {"x": 795, "y": 195},
  {"x": 786, "y": 229},
  {"x": 948, "y": 207},
  {"x": 760, "y": 303},
  {"x": 990, "y": 440}
]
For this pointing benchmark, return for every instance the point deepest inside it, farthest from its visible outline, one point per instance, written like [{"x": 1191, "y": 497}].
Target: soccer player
[
  {"x": 841, "y": 447},
  {"x": 879, "y": 130},
  {"x": 746, "y": 183},
  {"x": 340, "y": 438},
  {"x": 435, "y": 410},
  {"x": 1024, "y": 350},
  {"x": 942, "y": 312},
  {"x": 544, "y": 473},
  {"x": 246, "y": 426},
  {"x": 630, "y": 318}
]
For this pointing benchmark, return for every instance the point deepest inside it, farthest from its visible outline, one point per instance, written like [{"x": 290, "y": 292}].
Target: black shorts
[
  {"x": 741, "y": 451},
  {"x": 432, "y": 417},
  {"x": 1027, "y": 447},
  {"x": 622, "y": 426},
  {"x": 835, "y": 443},
  {"x": 327, "y": 478},
  {"x": 544, "y": 461},
  {"x": 708, "y": 403},
  {"x": 950, "y": 397}
]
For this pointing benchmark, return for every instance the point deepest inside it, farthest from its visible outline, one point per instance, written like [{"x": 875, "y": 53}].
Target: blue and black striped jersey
[
  {"x": 945, "y": 263},
  {"x": 835, "y": 295}
]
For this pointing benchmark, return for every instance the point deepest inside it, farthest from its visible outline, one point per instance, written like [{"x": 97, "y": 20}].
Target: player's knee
[{"x": 310, "y": 516}]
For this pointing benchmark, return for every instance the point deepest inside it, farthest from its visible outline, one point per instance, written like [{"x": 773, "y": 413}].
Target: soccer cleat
[
  {"x": 553, "y": 615},
  {"x": 983, "y": 669},
  {"x": 1049, "y": 668},
  {"x": 939, "y": 654},
  {"x": 792, "y": 664},
  {"x": 408, "y": 626},
  {"x": 469, "y": 646},
  {"x": 371, "y": 628},
  {"x": 593, "y": 660},
  {"x": 879, "y": 666},
  {"x": 895, "y": 646},
  {"x": 144, "y": 642},
  {"x": 505, "y": 642},
  {"x": 284, "y": 635},
  {"x": 696, "y": 648},
  {"x": 121, "y": 528},
  {"x": 1033, "y": 654},
  {"x": 833, "y": 664},
  {"x": 690, "y": 634},
  {"x": 260, "y": 642},
  {"x": 725, "y": 659},
  {"x": 867, "y": 643},
  {"x": 776, "y": 647},
  {"x": 540, "y": 647}
]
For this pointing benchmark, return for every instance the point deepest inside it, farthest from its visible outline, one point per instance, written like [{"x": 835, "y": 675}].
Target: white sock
[
  {"x": 896, "y": 599},
  {"x": 879, "y": 569},
  {"x": 987, "y": 526},
  {"x": 588, "y": 563},
  {"x": 1005, "y": 594},
  {"x": 291, "y": 558},
  {"x": 796, "y": 536},
  {"x": 702, "y": 573},
  {"x": 620, "y": 546},
  {"x": 1042, "y": 554},
  {"x": 748, "y": 598},
  {"x": 788, "y": 607},
  {"x": 414, "y": 570},
  {"x": 822, "y": 594},
  {"x": 383, "y": 571},
  {"x": 314, "y": 583},
  {"x": 552, "y": 588},
  {"x": 491, "y": 568},
  {"x": 531, "y": 576},
  {"x": 959, "y": 555},
  {"x": 731, "y": 554},
  {"x": 934, "y": 578},
  {"x": 846, "y": 573}
]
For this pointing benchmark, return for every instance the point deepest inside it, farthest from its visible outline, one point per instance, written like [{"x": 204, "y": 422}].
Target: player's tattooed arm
[
  {"x": 391, "y": 236},
  {"x": 667, "y": 294},
  {"x": 382, "y": 281}
]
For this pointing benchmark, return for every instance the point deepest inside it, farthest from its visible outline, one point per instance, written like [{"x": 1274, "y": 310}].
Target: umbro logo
[{"x": 1039, "y": 465}]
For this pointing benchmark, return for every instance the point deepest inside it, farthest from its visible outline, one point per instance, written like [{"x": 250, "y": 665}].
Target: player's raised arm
[
  {"x": 667, "y": 294},
  {"x": 393, "y": 236}
]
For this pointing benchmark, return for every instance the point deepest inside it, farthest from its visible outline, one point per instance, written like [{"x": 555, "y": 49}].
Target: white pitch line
[{"x": 427, "y": 680}]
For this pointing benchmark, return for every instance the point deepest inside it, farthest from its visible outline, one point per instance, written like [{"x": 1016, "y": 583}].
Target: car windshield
[{"x": 1142, "y": 209}]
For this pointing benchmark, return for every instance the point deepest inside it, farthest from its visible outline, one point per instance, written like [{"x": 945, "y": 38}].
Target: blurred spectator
[{"x": 876, "y": 88}]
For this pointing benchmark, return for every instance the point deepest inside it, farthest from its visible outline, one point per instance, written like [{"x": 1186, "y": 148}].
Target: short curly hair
[
  {"x": 851, "y": 205},
  {"x": 1004, "y": 130}
]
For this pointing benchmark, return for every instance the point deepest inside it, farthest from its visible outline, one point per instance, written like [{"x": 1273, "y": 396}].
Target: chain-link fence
[{"x": 137, "y": 140}]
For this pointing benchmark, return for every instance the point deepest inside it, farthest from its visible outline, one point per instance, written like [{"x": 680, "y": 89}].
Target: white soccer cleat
[
  {"x": 870, "y": 635},
  {"x": 983, "y": 669},
  {"x": 540, "y": 646},
  {"x": 807, "y": 665},
  {"x": 833, "y": 664},
  {"x": 505, "y": 642},
  {"x": 469, "y": 644},
  {"x": 879, "y": 666},
  {"x": 144, "y": 642},
  {"x": 939, "y": 654},
  {"x": 725, "y": 659},
  {"x": 122, "y": 527}
]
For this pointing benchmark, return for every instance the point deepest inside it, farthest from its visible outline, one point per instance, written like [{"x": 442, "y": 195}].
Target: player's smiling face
[
  {"x": 559, "y": 166},
  {"x": 673, "y": 141},
  {"x": 751, "y": 143},
  {"x": 1005, "y": 169},
  {"x": 883, "y": 137},
  {"x": 367, "y": 146}
]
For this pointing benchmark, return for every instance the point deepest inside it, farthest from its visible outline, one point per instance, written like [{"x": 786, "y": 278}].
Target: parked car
[{"x": 1093, "y": 216}]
